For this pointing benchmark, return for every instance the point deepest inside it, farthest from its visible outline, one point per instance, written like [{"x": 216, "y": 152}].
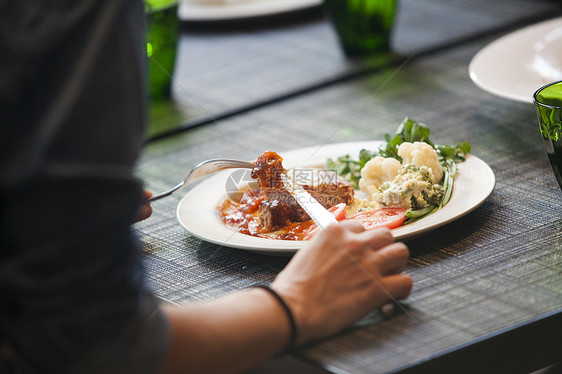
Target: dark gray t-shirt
[{"x": 72, "y": 97}]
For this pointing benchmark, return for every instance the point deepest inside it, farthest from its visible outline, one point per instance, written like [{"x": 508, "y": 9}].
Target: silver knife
[{"x": 315, "y": 210}]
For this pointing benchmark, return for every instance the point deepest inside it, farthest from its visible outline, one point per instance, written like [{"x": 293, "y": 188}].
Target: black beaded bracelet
[{"x": 290, "y": 317}]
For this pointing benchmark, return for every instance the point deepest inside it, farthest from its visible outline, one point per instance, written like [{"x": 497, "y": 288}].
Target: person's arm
[
  {"x": 343, "y": 274},
  {"x": 226, "y": 335}
]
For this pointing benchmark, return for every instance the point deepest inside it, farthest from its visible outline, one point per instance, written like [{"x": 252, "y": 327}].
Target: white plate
[
  {"x": 516, "y": 65},
  {"x": 197, "y": 212},
  {"x": 220, "y": 10}
]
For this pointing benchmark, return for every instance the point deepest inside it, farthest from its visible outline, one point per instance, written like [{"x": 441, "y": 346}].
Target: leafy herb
[
  {"x": 412, "y": 131},
  {"x": 348, "y": 168},
  {"x": 408, "y": 131},
  {"x": 455, "y": 153}
]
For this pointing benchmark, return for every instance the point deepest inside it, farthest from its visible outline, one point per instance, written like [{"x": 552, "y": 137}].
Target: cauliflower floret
[
  {"x": 377, "y": 171},
  {"x": 411, "y": 189},
  {"x": 421, "y": 154}
]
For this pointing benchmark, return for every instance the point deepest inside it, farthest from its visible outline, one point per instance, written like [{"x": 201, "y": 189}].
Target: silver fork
[{"x": 202, "y": 169}]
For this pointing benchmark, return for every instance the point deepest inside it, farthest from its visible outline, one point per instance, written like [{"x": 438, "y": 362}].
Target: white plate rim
[
  {"x": 490, "y": 60},
  {"x": 196, "y": 211},
  {"x": 188, "y": 11}
]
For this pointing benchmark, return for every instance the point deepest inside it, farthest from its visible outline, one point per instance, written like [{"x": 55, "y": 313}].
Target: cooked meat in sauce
[
  {"x": 278, "y": 210},
  {"x": 267, "y": 170}
]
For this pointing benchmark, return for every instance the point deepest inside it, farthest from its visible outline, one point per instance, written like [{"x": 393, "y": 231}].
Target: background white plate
[
  {"x": 197, "y": 212},
  {"x": 190, "y": 10},
  {"x": 516, "y": 65}
]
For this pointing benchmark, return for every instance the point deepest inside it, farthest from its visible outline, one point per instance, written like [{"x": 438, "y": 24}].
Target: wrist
[
  {"x": 303, "y": 318},
  {"x": 293, "y": 327}
]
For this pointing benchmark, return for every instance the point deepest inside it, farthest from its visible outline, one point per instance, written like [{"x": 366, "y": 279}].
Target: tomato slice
[
  {"x": 338, "y": 211},
  {"x": 389, "y": 217}
]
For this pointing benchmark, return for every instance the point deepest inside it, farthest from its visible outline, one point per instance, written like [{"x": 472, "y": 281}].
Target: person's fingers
[
  {"x": 392, "y": 258},
  {"x": 342, "y": 235},
  {"x": 145, "y": 209},
  {"x": 144, "y": 212},
  {"x": 352, "y": 225},
  {"x": 377, "y": 238},
  {"x": 398, "y": 286}
]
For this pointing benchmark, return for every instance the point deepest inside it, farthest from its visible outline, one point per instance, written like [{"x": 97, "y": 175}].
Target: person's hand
[
  {"x": 344, "y": 273},
  {"x": 145, "y": 210}
]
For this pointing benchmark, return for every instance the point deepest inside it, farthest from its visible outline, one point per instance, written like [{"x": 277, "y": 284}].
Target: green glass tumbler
[
  {"x": 363, "y": 26},
  {"x": 548, "y": 102},
  {"x": 162, "y": 39}
]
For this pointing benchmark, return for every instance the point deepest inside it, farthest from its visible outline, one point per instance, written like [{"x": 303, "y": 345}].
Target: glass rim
[
  {"x": 148, "y": 8},
  {"x": 542, "y": 88}
]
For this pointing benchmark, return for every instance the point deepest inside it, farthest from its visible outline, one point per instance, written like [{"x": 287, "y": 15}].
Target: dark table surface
[{"x": 487, "y": 291}]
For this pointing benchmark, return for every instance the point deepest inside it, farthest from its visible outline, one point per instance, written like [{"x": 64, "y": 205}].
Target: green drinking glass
[
  {"x": 548, "y": 102},
  {"x": 363, "y": 26},
  {"x": 162, "y": 38}
]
